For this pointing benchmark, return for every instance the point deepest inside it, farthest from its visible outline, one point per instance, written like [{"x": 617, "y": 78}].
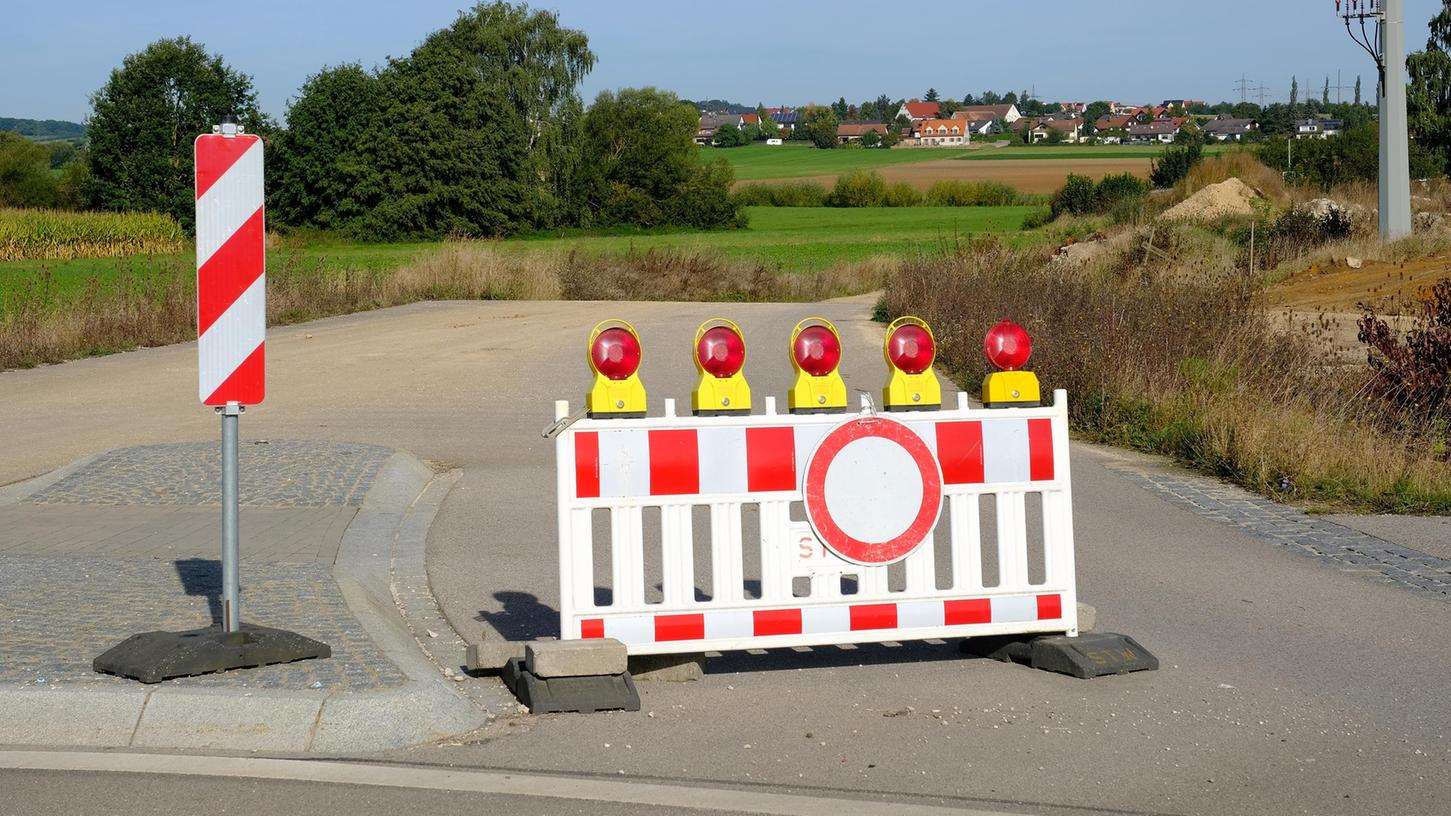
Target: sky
[{"x": 781, "y": 52}]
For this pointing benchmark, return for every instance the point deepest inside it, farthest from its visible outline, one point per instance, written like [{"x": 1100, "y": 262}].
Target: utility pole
[
  {"x": 1388, "y": 48},
  {"x": 1260, "y": 93},
  {"x": 1243, "y": 85}
]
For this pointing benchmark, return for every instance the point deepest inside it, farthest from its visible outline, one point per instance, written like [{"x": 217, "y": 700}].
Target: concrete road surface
[{"x": 1287, "y": 685}]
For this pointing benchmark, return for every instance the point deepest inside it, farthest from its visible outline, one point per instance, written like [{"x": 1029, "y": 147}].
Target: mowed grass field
[{"x": 792, "y": 239}]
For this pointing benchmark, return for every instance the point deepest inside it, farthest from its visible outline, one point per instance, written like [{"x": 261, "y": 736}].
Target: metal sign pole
[{"x": 231, "y": 585}]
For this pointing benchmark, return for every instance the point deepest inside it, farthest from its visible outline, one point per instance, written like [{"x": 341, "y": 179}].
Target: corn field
[{"x": 60, "y": 235}]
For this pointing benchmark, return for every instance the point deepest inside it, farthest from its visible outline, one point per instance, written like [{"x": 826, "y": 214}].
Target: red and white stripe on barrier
[
  {"x": 624, "y": 462},
  {"x": 688, "y": 534},
  {"x": 231, "y": 269}
]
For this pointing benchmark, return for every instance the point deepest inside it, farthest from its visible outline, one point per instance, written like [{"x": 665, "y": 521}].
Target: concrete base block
[
  {"x": 1092, "y": 654},
  {"x": 667, "y": 668},
  {"x": 151, "y": 657},
  {"x": 1087, "y": 617},
  {"x": 575, "y": 658},
  {"x": 549, "y": 695},
  {"x": 490, "y": 656}
]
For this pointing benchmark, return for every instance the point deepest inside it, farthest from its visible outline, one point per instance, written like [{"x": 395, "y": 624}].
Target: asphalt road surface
[{"x": 1286, "y": 685}]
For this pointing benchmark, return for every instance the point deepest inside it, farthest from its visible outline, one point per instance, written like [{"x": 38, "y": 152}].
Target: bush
[
  {"x": 1352, "y": 156},
  {"x": 1037, "y": 218},
  {"x": 798, "y": 194},
  {"x": 1113, "y": 190},
  {"x": 859, "y": 188},
  {"x": 901, "y": 194},
  {"x": 1300, "y": 227},
  {"x": 789, "y": 194},
  {"x": 972, "y": 194},
  {"x": 1411, "y": 377},
  {"x": 1174, "y": 164},
  {"x": 1075, "y": 197}
]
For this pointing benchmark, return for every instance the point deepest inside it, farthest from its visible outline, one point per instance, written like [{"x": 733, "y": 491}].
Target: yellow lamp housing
[
  {"x": 815, "y": 352},
  {"x": 614, "y": 353},
  {"x": 1011, "y": 389},
  {"x": 720, "y": 357},
  {"x": 910, "y": 349}
]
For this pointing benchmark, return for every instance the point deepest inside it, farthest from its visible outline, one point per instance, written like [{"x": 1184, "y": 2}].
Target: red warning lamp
[
  {"x": 910, "y": 349},
  {"x": 1007, "y": 346},
  {"x": 615, "y": 353},
  {"x": 817, "y": 350},
  {"x": 721, "y": 352}
]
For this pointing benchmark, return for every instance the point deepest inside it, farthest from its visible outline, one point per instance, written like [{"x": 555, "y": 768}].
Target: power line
[{"x": 1243, "y": 85}]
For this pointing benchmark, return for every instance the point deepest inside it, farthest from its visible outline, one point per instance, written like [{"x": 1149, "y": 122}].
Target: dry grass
[
  {"x": 1239, "y": 164},
  {"x": 157, "y": 305},
  {"x": 1179, "y": 358}
]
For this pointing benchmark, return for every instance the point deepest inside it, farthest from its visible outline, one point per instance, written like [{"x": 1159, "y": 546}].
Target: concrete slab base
[
  {"x": 1091, "y": 654},
  {"x": 586, "y": 695},
  {"x": 151, "y": 657}
]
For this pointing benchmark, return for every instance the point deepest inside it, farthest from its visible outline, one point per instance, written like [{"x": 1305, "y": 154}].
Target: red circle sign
[{"x": 873, "y": 491}]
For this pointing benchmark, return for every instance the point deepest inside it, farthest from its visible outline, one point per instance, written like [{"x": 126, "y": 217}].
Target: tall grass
[
  {"x": 156, "y": 305},
  {"x": 1180, "y": 359},
  {"x": 60, "y": 234}
]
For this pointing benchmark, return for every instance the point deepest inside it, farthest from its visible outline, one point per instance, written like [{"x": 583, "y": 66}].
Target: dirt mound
[{"x": 1228, "y": 197}]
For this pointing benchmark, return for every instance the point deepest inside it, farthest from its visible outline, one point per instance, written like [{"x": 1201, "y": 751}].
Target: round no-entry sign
[{"x": 873, "y": 490}]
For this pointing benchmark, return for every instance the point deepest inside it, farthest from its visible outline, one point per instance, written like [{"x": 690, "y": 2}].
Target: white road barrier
[{"x": 712, "y": 533}]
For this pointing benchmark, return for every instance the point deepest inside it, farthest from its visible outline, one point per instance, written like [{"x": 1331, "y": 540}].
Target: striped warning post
[{"x": 230, "y": 269}]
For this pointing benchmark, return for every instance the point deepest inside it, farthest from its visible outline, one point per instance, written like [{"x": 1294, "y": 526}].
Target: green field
[
  {"x": 779, "y": 237},
  {"x": 796, "y": 159}
]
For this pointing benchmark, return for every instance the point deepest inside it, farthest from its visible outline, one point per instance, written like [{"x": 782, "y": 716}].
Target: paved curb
[
  {"x": 381, "y": 551},
  {"x": 16, "y": 492}
]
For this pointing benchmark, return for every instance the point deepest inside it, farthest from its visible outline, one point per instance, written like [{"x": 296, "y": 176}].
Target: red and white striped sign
[
  {"x": 825, "y": 619},
  {"x": 230, "y": 269},
  {"x": 631, "y": 463}
]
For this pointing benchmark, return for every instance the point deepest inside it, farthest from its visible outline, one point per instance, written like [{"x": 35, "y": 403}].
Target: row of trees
[{"x": 479, "y": 131}]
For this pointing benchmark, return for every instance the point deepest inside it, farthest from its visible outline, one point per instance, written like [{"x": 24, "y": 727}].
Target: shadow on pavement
[
  {"x": 827, "y": 657},
  {"x": 203, "y": 576},
  {"x": 522, "y": 618}
]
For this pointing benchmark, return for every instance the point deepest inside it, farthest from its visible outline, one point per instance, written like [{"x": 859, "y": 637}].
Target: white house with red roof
[{"x": 919, "y": 111}]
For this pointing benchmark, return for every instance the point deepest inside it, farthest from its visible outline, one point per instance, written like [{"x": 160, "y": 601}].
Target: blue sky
[{"x": 52, "y": 58}]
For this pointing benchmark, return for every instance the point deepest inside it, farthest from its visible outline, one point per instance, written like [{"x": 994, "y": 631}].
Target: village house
[
  {"x": 1318, "y": 128},
  {"x": 1008, "y": 113},
  {"x": 1113, "y": 122},
  {"x": 1227, "y": 129},
  {"x": 942, "y": 133},
  {"x": 919, "y": 111},
  {"x": 1040, "y": 129},
  {"x": 854, "y": 131},
  {"x": 1073, "y": 107},
  {"x": 711, "y": 122},
  {"x": 979, "y": 123},
  {"x": 1161, "y": 130}
]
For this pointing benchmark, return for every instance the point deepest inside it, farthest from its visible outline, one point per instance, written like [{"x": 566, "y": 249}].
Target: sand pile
[{"x": 1228, "y": 197}]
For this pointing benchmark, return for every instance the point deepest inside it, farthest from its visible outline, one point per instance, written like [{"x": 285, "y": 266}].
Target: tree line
[{"x": 479, "y": 131}]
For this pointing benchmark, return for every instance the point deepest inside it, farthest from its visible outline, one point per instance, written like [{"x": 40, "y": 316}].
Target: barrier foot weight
[
  {"x": 585, "y": 694},
  {"x": 1091, "y": 654},
  {"x": 151, "y": 657}
]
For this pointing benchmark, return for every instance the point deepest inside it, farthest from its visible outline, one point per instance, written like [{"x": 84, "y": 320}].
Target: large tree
[
  {"x": 313, "y": 167},
  {"x": 819, "y": 125},
  {"x": 640, "y": 164},
  {"x": 25, "y": 177},
  {"x": 1428, "y": 98},
  {"x": 145, "y": 118}
]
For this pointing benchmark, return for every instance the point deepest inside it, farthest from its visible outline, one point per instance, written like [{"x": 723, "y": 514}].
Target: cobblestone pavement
[
  {"x": 128, "y": 543},
  {"x": 56, "y": 615},
  {"x": 276, "y": 473},
  {"x": 1298, "y": 531}
]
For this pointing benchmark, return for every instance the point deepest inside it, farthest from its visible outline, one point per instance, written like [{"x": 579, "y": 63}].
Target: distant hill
[{"x": 44, "y": 130}]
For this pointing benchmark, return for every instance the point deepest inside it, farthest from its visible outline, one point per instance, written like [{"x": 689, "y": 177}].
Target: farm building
[
  {"x": 919, "y": 111},
  {"x": 942, "y": 133},
  {"x": 1008, "y": 113},
  {"x": 711, "y": 122},
  {"x": 854, "y": 131}
]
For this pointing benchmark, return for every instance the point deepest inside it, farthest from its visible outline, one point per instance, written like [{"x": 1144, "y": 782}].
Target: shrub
[
  {"x": 1075, "y": 197},
  {"x": 859, "y": 188},
  {"x": 798, "y": 194},
  {"x": 1411, "y": 376},
  {"x": 901, "y": 194},
  {"x": 754, "y": 195},
  {"x": 1300, "y": 228},
  {"x": 955, "y": 193},
  {"x": 1037, "y": 218},
  {"x": 1112, "y": 190},
  {"x": 1174, "y": 164}
]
